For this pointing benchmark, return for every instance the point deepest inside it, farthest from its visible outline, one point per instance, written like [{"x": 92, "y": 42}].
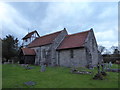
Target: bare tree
[
  {"x": 101, "y": 48},
  {"x": 114, "y": 47},
  {"x": 107, "y": 51},
  {"x": 115, "y": 50}
]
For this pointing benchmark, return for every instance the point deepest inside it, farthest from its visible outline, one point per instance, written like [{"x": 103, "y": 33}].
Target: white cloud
[
  {"x": 76, "y": 17},
  {"x": 12, "y": 21},
  {"x": 107, "y": 38},
  {"x": 108, "y": 44},
  {"x": 107, "y": 13},
  {"x": 110, "y": 35},
  {"x": 64, "y": 14}
]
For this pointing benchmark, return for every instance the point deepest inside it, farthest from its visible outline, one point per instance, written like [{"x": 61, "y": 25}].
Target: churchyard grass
[{"x": 14, "y": 76}]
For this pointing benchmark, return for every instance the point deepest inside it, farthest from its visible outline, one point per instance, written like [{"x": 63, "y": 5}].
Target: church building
[{"x": 61, "y": 49}]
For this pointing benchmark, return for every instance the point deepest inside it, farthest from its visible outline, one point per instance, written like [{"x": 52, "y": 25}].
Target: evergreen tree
[{"x": 9, "y": 47}]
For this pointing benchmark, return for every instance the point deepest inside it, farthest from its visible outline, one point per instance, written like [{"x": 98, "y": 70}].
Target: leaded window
[{"x": 71, "y": 54}]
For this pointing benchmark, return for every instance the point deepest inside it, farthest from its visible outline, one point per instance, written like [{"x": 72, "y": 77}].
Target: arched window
[
  {"x": 71, "y": 54},
  {"x": 43, "y": 53},
  {"x": 93, "y": 48},
  {"x": 37, "y": 50},
  {"x": 26, "y": 40}
]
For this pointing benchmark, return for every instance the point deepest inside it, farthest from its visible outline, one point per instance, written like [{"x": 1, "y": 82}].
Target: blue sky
[{"x": 48, "y": 17}]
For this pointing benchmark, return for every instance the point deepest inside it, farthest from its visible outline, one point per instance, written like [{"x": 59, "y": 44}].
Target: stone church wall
[
  {"x": 50, "y": 50},
  {"x": 56, "y": 43},
  {"x": 91, "y": 45},
  {"x": 81, "y": 56},
  {"x": 39, "y": 53},
  {"x": 78, "y": 60}
]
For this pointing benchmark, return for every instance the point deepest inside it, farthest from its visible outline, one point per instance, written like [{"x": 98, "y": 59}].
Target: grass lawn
[{"x": 14, "y": 76}]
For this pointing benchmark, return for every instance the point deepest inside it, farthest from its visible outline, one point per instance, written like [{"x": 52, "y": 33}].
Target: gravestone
[
  {"x": 29, "y": 83},
  {"x": 73, "y": 70},
  {"x": 110, "y": 64},
  {"x": 99, "y": 75},
  {"x": 91, "y": 67},
  {"x": 102, "y": 65},
  {"x": 29, "y": 67},
  {"x": 43, "y": 68},
  {"x": 103, "y": 70},
  {"x": 6, "y": 62},
  {"x": 105, "y": 66},
  {"x": 24, "y": 65},
  {"x": 98, "y": 67},
  {"x": 113, "y": 70}
]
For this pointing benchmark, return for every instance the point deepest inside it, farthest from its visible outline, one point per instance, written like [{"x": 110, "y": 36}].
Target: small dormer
[{"x": 29, "y": 38}]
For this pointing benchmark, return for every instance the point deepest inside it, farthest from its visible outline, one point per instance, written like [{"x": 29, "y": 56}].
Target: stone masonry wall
[
  {"x": 39, "y": 53},
  {"x": 47, "y": 57},
  {"x": 91, "y": 45},
  {"x": 50, "y": 50},
  {"x": 78, "y": 60},
  {"x": 56, "y": 43}
]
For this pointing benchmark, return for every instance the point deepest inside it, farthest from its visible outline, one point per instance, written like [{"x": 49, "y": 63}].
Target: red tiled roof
[
  {"x": 28, "y": 51},
  {"x": 73, "y": 40},
  {"x": 30, "y": 34},
  {"x": 44, "y": 40}
]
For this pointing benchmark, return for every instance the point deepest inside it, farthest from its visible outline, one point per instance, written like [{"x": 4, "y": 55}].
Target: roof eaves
[
  {"x": 69, "y": 48},
  {"x": 38, "y": 45}
]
